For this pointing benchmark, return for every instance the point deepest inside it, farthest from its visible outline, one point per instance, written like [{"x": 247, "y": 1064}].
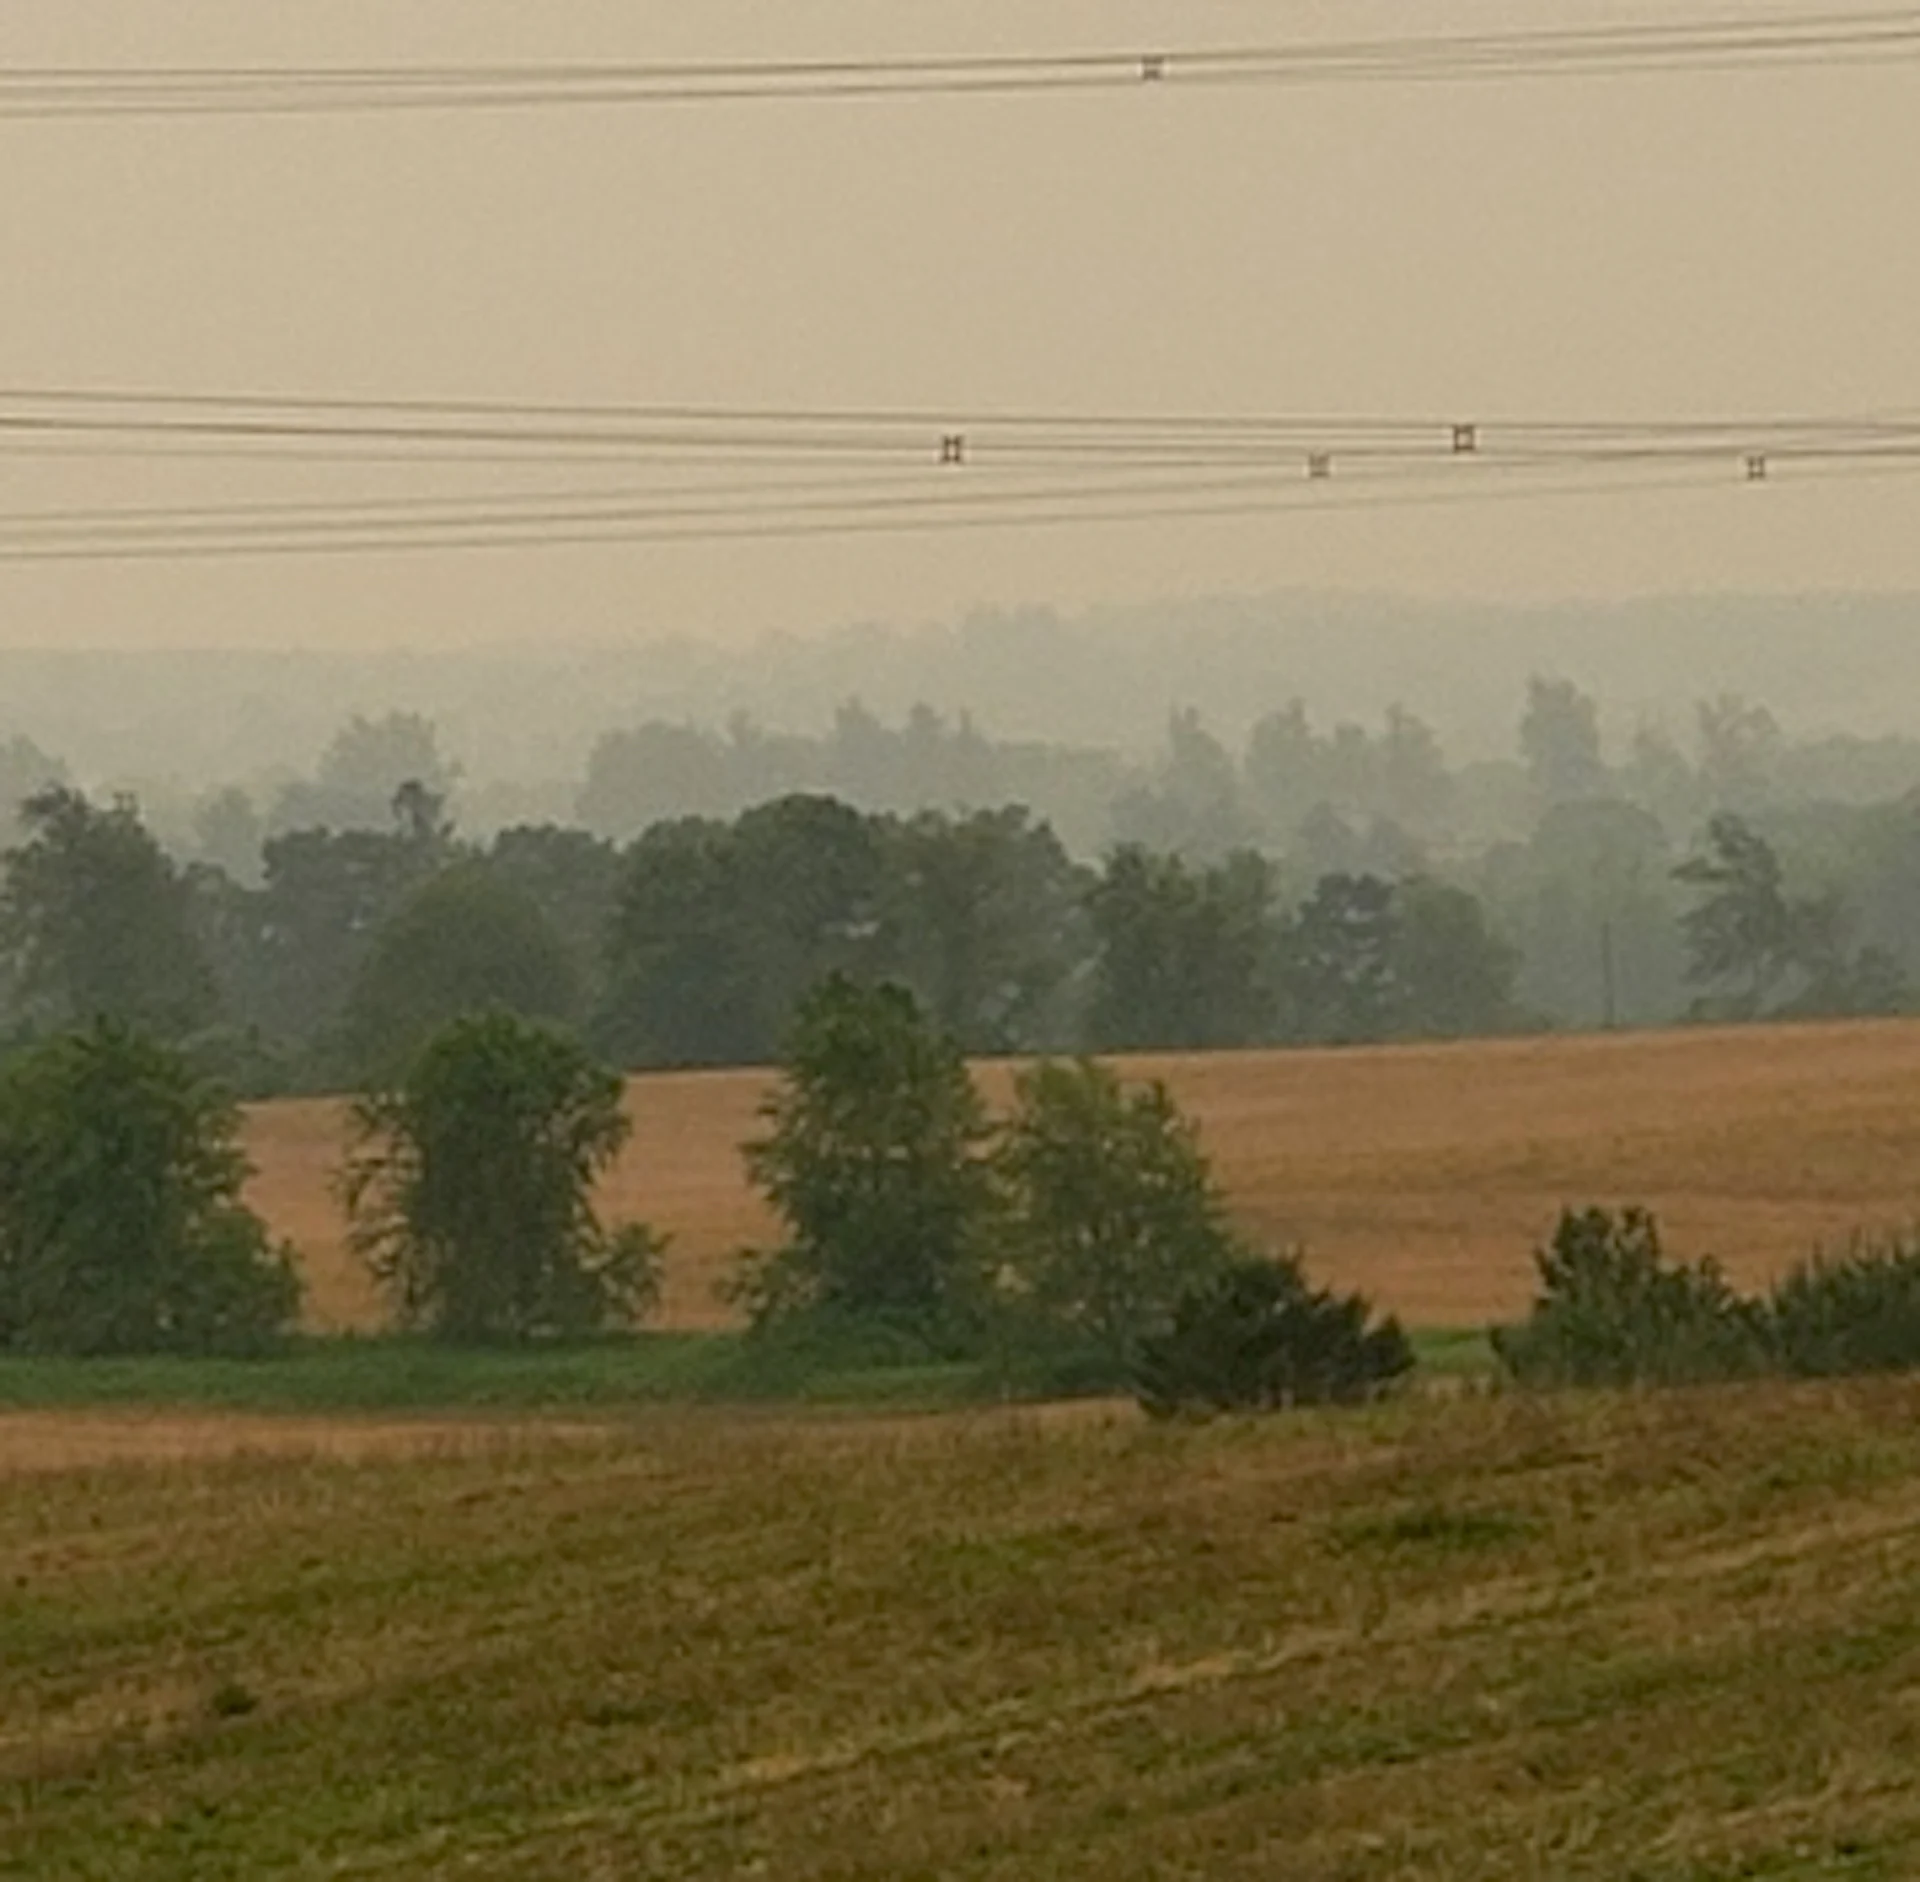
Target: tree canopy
[{"x": 122, "y": 1228}]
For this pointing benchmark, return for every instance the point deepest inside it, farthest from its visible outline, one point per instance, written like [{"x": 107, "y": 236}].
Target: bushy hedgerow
[{"x": 1613, "y": 1311}]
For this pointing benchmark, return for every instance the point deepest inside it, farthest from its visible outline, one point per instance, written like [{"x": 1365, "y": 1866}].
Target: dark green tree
[
  {"x": 1455, "y": 975},
  {"x": 294, "y": 947},
  {"x": 1340, "y": 965},
  {"x": 574, "y": 879},
  {"x": 1752, "y": 945},
  {"x": 679, "y": 988},
  {"x": 981, "y": 916},
  {"x": 122, "y": 1228},
  {"x": 1113, "y": 1213},
  {"x": 470, "y": 1189},
  {"x": 720, "y": 929},
  {"x": 1259, "y": 1337},
  {"x": 96, "y": 922},
  {"x": 462, "y": 943},
  {"x": 1180, "y": 953},
  {"x": 873, "y": 1159}
]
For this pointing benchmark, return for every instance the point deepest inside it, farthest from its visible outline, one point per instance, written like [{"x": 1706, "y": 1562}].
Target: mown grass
[
  {"x": 395, "y": 1374},
  {"x": 1670, "y": 1636},
  {"x": 398, "y": 1375}
]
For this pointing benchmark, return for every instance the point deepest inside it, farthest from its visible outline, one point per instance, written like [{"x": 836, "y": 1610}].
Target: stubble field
[
  {"x": 1481, "y": 1637},
  {"x": 1674, "y": 1637},
  {"x": 1424, "y": 1174}
]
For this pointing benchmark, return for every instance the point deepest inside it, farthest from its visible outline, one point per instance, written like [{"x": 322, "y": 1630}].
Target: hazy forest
[{"x": 1204, "y": 835}]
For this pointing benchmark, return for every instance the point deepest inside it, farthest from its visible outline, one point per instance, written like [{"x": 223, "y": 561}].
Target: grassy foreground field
[
  {"x": 1667, "y": 1637},
  {"x": 1424, "y": 1174}
]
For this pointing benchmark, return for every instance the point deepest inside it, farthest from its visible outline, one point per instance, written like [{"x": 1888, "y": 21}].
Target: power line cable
[{"x": 1717, "y": 43}]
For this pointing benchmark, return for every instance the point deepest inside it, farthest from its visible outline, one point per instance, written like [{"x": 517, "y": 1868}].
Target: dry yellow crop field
[{"x": 1424, "y": 1174}]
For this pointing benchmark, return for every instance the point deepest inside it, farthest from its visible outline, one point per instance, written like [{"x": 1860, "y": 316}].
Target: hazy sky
[{"x": 1633, "y": 249}]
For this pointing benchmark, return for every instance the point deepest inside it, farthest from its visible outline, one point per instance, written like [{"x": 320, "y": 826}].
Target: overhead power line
[
  {"x": 1716, "y": 43},
  {"x": 851, "y": 471},
  {"x": 882, "y": 435}
]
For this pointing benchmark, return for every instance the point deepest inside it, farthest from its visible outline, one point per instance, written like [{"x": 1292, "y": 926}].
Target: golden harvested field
[
  {"x": 1673, "y": 1636},
  {"x": 1424, "y": 1174}
]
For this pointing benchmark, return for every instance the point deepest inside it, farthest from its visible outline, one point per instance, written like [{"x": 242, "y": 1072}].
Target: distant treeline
[{"x": 318, "y": 955}]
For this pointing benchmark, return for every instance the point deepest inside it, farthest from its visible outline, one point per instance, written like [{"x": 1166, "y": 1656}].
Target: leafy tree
[
  {"x": 873, "y": 1159},
  {"x": 679, "y": 986},
  {"x": 1282, "y": 767},
  {"x": 574, "y": 878},
  {"x": 25, "y": 771},
  {"x": 1258, "y": 1337},
  {"x": 122, "y": 1228},
  {"x": 811, "y": 871},
  {"x": 1746, "y": 935},
  {"x": 1113, "y": 1213},
  {"x": 1339, "y": 970},
  {"x": 470, "y": 1189},
  {"x": 228, "y": 833},
  {"x": 981, "y": 916},
  {"x": 652, "y": 774},
  {"x": 95, "y": 921},
  {"x": 296, "y": 945},
  {"x": 1399, "y": 777},
  {"x": 1560, "y": 742},
  {"x": 1326, "y": 844},
  {"x": 1192, "y": 806},
  {"x": 1180, "y": 958},
  {"x": 462, "y": 943},
  {"x": 1591, "y": 901},
  {"x": 720, "y": 929},
  {"x": 1456, "y": 977},
  {"x": 1415, "y": 788},
  {"x": 374, "y": 771}
]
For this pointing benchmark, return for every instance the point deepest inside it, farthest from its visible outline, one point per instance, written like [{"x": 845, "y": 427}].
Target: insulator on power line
[
  {"x": 953, "y": 448},
  {"x": 1153, "y": 68},
  {"x": 1756, "y": 467},
  {"x": 1319, "y": 465},
  {"x": 1466, "y": 440}
]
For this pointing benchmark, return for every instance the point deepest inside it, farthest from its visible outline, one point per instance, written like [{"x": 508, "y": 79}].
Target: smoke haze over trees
[{"x": 1176, "y": 832}]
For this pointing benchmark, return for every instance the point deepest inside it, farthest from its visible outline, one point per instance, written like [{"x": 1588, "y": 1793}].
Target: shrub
[
  {"x": 121, "y": 1224},
  {"x": 1258, "y": 1337},
  {"x": 1612, "y": 1311},
  {"x": 874, "y": 1160},
  {"x": 1113, "y": 1214},
  {"x": 470, "y": 1187},
  {"x": 1850, "y": 1313}
]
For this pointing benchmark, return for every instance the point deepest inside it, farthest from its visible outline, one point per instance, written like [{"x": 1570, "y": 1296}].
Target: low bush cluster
[
  {"x": 1613, "y": 1310},
  {"x": 1260, "y": 1337}
]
